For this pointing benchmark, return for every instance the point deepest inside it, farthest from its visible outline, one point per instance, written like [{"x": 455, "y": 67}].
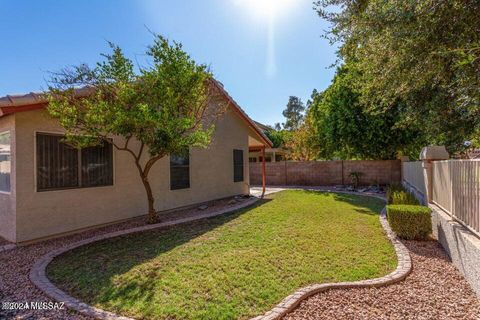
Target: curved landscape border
[
  {"x": 403, "y": 269},
  {"x": 39, "y": 278}
]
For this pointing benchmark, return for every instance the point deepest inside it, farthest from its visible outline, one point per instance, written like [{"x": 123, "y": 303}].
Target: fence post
[{"x": 427, "y": 156}]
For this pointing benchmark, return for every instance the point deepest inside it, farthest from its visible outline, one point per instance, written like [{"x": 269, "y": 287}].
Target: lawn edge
[
  {"x": 39, "y": 278},
  {"x": 404, "y": 267}
]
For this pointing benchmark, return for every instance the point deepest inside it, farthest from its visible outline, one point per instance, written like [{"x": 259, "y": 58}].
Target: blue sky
[{"x": 259, "y": 65}]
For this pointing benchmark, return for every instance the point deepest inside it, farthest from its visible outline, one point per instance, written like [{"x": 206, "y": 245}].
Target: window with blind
[
  {"x": 5, "y": 161},
  {"x": 237, "y": 165},
  {"x": 61, "y": 166},
  {"x": 180, "y": 171}
]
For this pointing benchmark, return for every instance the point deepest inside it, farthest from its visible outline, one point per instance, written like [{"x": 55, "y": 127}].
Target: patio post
[{"x": 264, "y": 178}]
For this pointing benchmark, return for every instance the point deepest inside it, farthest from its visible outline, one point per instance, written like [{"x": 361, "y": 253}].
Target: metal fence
[{"x": 456, "y": 189}]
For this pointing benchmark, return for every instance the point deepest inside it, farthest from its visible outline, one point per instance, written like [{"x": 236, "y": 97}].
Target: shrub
[
  {"x": 410, "y": 221},
  {"x": 397, "y": 194}
]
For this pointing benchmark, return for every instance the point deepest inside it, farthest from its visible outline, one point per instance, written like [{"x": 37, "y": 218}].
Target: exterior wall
[
  {"x": 323, "y": 173},
  {"x": 460, "y": 244},
  {"x": 7, "y": 200},
  {"x": 41, "y": 214}
]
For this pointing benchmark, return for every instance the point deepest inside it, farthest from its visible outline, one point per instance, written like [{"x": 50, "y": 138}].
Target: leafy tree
[
  {"x": 347, "y": 129},
  {"x": 293, "y": 113},
  {"x": 277, "y": 137},
  {"x": 425, "y": 54},
  {"x": 302, "y": 143},
  {"x": 159, "y": 110}
]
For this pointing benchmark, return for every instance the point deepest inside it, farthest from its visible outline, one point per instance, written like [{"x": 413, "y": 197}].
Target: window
[
  {"x": 5, "y": 161},
  {"x": 237, "y": 165},
  {"x": 180, "y": 171},
  {"x": 61, "y": 166},
  {"x": 252, "y": 159},
  {"x": 97, "y": 166}
]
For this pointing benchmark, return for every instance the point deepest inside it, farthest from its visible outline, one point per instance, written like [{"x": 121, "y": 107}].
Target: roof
[
  {"x": 262, "y": 126},
  {"x": 31, "y": 101}
]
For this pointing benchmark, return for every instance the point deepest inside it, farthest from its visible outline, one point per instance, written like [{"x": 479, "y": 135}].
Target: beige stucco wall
[
  {"x": 7, "y": 200},
  {"x": 41, "y": 214}
]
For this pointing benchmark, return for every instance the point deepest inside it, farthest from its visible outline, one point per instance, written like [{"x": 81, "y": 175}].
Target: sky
[{"x": 263, "y": 51}]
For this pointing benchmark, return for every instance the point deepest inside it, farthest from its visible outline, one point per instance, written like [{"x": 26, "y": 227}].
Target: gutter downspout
[{"x": 264, "y": 177}]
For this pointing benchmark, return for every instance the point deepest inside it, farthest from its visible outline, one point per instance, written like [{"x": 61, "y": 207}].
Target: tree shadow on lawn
[
  {"x": 112, "y": 258},
  {"x": 363, "y": 204}
]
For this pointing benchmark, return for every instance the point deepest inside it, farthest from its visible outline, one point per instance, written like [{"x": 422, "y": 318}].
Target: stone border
[
  {"x": 403, "y": 269},
  {"x": 38, "y": 271},
  {"x": 39, "y": 278}
]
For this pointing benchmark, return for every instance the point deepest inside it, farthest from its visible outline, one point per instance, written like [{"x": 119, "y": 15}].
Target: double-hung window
[
  {"x": 237, "y": 165},
  {"x": 180, "y": 171},
  {"x": 61, "y": 166},
  {"x": 5, "y": 161}
]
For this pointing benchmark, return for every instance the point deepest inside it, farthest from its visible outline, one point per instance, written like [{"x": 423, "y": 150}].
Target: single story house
[{"x": 48, "y": 188}]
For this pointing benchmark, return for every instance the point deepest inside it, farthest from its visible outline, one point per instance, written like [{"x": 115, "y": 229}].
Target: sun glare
[{"x": 266, "y": 8}]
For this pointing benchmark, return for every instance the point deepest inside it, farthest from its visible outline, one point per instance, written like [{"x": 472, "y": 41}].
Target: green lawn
[{"x": 234, "y": 266}]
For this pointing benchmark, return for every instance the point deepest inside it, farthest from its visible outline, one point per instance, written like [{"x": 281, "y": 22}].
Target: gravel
[
  {"x": 15, "y": 264},
  {"x": 434, "y": 290}
]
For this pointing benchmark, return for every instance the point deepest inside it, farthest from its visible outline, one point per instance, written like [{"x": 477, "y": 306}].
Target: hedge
[
  {"x": 411, "y": 222},
  {"x": 397, "y": 194}
]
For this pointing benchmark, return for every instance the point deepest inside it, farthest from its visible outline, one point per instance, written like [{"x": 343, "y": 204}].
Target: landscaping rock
[
  {"x": 203, "y": 207},
  {"x": 435, "y": 289}
]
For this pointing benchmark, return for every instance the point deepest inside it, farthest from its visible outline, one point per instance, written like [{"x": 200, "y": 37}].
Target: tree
[
  {"x": 345, "y": 128},
  {"x": 293, "y": 113},
  {"x": 159, "y": 110},
  {"x": 302, "y": 143},
  {"x": 425, "y": 54},
  {"x": 277, "y": 137}
]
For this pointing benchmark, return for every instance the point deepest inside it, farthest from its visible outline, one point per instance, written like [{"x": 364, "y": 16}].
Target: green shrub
[
  {"x": 397, "y": 194},
  {"x": 409, "y": 221}
]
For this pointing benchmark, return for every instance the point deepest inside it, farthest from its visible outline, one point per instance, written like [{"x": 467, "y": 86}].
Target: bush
[
  {"x": 410, "y": 221},
  {"x": 397, "y": 194}
]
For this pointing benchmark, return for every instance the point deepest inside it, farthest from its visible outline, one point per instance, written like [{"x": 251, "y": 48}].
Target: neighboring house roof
[
  {"x": 262, "y": 126},
  {"x": 19, "y": 103}
]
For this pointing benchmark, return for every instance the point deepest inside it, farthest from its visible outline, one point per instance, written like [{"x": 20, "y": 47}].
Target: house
[
  {"x": 271, "y": 154},
  {"x": 48, "y": 188}
]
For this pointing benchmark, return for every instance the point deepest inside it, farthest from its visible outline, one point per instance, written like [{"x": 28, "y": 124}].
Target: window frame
[
  {"x": 79, "y": 166},
  {"x": 172, "y": 188},
  {"x": 9, "y": 131},
  {"x": 236, "y": 165}
]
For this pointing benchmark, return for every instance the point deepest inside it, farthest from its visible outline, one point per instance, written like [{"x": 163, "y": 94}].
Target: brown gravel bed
[
  {"x": 434, "y": 290},
  {"x": 15, "y": 265}
]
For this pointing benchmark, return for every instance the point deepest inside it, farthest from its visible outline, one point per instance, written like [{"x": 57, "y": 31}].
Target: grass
[{"x": 234, "y": 266}]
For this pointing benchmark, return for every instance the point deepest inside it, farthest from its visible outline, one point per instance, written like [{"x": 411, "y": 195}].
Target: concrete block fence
[{"x": 326, "y": 173}]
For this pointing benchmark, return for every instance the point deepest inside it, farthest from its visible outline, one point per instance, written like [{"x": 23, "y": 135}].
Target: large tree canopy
[
  {"x": 159, "y": 110},
  {"x": 344, "y": 128},
  {"x": 423, "y": 53}
]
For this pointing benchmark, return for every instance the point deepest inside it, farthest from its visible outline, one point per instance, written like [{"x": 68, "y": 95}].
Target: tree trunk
[{"x": 152, "y": 214}]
